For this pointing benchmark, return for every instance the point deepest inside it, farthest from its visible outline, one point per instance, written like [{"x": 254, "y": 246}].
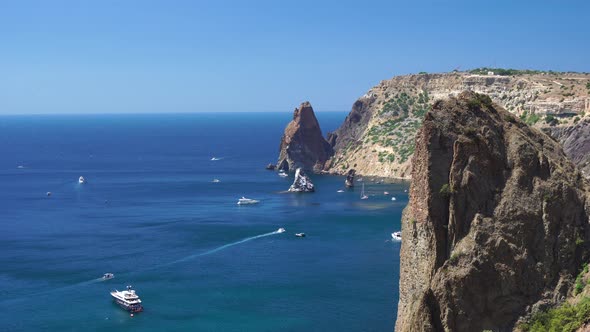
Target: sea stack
[
  {"x": 497, "y": 223},
  {"x": 349, "y": 182},
  {"x": 303, "y": 145},
  {"x": 302, "y": 183}
]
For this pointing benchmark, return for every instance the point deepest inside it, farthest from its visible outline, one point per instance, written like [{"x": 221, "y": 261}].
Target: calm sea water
[{"x": 151, "y": 215}]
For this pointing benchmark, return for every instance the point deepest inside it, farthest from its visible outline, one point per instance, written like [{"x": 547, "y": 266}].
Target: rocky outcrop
[
  {"x": 497, "y": 223},
  {"x": 576, "y": 143},
  {"x": 303, "y": 145},
  {"x": 302, "y": 183},
  {"x": 377, "y": 137},
  {"x": 349, "y": 181}
]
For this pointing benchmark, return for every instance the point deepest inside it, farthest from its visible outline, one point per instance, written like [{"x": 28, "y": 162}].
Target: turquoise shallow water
[{"x": 150, "y": 214}]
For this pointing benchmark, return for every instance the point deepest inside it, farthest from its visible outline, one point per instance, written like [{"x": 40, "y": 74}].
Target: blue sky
[{"x": 190, "y": 56}]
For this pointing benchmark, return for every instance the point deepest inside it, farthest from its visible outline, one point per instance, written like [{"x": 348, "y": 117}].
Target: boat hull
[{"x": 128, "y": 307}]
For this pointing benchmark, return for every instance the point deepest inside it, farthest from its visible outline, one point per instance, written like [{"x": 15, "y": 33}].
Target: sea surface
[{"x": 150, "y": 214}]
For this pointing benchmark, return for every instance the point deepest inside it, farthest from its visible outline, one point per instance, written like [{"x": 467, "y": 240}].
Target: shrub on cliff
[{"x": 566, "y": 318}]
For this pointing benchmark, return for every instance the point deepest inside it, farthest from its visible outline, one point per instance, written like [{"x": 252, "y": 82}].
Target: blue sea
[{"x": 150, "y": 214}]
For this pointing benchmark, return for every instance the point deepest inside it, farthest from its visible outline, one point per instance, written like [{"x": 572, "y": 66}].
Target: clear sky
[{"x": 190, "y": 56}]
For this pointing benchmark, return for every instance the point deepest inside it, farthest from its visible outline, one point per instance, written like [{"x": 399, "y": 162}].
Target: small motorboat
[
  {"x": 397, "y": 236},
  {"x": 300, "y": 234},
  {"x": 215, "y": 159},
  {"x": 20, "y": 167},
  {"x": 48, "y": 193},
  {"x": 363, "y": 195},
  {"x": 216, "y": 181},
  {"x": 340, "y": 191},
  {"x": 246, "y": 201},
  {"x": 81, "y": 180},
  {"x": 283, "y": 174},
  {"x": 108, "y": 276},
  {"x": 386, "y": 193},
  {"x": 281, "y": 230},
  {"x": 393, "y": 198}
]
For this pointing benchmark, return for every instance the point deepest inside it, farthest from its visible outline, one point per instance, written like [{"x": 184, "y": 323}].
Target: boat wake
[
  {"x": 225, "y": 246},
  {"x": 184, "y": 259}
]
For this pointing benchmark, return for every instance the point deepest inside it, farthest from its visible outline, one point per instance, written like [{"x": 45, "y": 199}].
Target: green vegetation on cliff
[
  {"x": 565, "y": 318},
  {"x": 568, "y": 317}
]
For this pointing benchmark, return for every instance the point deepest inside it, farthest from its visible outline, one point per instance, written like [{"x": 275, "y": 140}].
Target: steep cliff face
[
  {"x": 303, "y": 145},
  {"x": 497, "y": 223},
  {"x": 576, "y": 143},
  {"x": 377, "y": 137}
]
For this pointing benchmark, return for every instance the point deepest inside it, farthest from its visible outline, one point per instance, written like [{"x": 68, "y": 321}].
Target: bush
[
  {"x": 551, "y": 120},
  {"x": 565, "y": 318},
  {"x": 454, "y": 258},
  {"x": 445, "y": 191},
  {"x": 580, "y": 284}
]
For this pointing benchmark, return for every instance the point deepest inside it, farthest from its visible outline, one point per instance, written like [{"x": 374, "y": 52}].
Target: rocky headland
[
  {"x": 377, "y": 136},
  {"x": 496, "y": 229}
]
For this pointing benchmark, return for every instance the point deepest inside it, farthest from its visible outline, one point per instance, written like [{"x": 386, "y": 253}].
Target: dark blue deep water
[{"x": 150, "y": 214}]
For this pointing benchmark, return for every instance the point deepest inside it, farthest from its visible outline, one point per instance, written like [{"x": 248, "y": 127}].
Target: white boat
[
  {"x": 393, "y": 198},
  {"x": 215, "y": 159},
  {"x": 283, "y": 174},
  {"x": 246, "y": 201},
  {"x": 108, "y": 276},
  {"x": 363, "y": 196},
  {"x": 127, "y": 299},
  {"x": 340, "y": 191},
  {"x": 300, "y": 234},
  {"x": 281, "y": 230},
  {"x": 81, "y": 180},
  {"x": 396, "y": 236},
  {"x": 386, "y": 193},
  {"x": 216, "y": 181}
]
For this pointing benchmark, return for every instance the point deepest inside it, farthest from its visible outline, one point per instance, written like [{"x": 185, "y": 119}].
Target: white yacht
[
  {"x": 81, "y": 180},
  {"x": 127, "y": 299},
  {"x": 246, "y": 201},
  {"x": 215, "y": 159},
  {"x": 281, "y": 230},
  {"x": 386, "y": 193},
  {"x": 300, "y": 234},
  {"x": 393, "y": 198},
  {"x": 283, "y": 174},
  {"x": 340, "y": 191},
  {"x": 216, "y": 181},
  {"x": 396, "y": 236}
]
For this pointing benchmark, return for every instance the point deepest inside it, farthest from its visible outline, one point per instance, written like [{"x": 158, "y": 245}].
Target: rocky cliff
[
  {"x": 497, "y": 223},
  {"x": 303, "y": 145},
  {"x": 377, "y": 137}
]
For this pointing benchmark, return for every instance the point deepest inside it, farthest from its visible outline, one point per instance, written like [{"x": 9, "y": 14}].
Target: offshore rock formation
[
  {"x": 303, "y": 145},
  {"x": 497, "y": 223},
  {"x": 349, "y": 182},
  {"x": 302, "y": 183},
  {"x": 377, "y": 137}
]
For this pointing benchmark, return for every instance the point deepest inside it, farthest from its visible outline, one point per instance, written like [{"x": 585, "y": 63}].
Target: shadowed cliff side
[
  {"x": 303, "y": 145},
  {"x": 497, "y": 223}
]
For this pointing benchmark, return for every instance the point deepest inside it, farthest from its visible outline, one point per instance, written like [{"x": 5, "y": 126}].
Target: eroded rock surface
[
  {"x": 303, "y": 145},
  {"x": 497, "y": 223}
]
